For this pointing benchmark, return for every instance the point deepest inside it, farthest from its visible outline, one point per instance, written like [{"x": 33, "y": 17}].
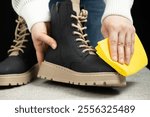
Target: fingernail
[
  {"x": 54, "y": 46},
  {"x": 114, "y": 58},
  {"x": 122, "y": 61},
  {"x": 128, "y": 62}
]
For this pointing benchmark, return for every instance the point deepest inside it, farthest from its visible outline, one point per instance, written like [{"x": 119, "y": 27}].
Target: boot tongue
[{"x": 76, "y": 6}]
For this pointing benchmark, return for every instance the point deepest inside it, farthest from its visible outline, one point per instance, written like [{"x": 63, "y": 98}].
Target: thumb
[
  {"x": 48, "y": 40},
  {"x": 39, "y": 54}
]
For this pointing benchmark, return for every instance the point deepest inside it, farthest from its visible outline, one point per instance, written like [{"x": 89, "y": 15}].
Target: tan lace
[
  {"x": 82, "y": 18},
  {"x": 20, "y": 34}
]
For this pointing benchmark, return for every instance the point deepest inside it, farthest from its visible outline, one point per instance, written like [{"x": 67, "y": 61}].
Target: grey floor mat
[{"x": 138, "y": 87}]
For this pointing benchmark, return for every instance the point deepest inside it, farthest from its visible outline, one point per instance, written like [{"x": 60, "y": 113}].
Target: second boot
[{"x": 21, "y": 65}]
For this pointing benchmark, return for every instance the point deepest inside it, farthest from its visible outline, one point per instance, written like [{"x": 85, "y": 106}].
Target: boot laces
[
  {"x": 81, "y": 19},
  {"x": 20, "y": 34}
]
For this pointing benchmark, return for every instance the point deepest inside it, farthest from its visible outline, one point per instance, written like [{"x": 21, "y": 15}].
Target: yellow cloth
[{"x": 138, "y": 61}]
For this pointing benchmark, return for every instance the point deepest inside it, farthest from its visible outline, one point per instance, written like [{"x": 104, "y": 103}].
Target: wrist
[
  {"x": 118, "y": 8},
  {"x": 32, "y": 11}
]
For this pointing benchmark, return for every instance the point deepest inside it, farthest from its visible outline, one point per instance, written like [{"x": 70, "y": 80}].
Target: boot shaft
[
  {"x": 22, "y": 44},
  {"x": 22, "y": 55},
  {"x": 61, "y": 19},
  {"x": 63, "y": 32}
]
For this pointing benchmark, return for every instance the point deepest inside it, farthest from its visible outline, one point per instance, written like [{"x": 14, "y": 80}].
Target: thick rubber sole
[
  {"x": 19, "y": 79},
  {"x": 58, "y": 73}
]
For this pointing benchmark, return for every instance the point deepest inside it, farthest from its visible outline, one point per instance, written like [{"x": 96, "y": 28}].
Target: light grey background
[{"x": 138, "y": 87}]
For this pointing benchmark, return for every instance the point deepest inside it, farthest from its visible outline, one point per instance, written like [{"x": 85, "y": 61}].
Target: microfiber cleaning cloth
[{"x": 138, "y": 61}]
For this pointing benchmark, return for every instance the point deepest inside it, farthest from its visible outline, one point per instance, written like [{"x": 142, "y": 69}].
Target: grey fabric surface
[{"x": 138, "y": 87}]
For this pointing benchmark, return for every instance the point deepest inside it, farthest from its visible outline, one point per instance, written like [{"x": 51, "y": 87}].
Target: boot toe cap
[
  {"x": 12, "y": 65},
  {"x": 92, "y": 64}
]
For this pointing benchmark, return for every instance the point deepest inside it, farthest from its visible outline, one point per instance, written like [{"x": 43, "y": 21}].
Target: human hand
[
  {"x": 120, "y": 32},
  {"x": 39, "y": 32}
]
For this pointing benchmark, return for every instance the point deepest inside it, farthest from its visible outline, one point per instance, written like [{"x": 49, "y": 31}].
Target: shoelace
[
  {"x": 82, "y": 18},
  {"x": 20, "y": 34}
]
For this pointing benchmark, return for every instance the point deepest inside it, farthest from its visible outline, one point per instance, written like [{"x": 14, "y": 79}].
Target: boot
[
  {"x": 20, "y": 66},
  {"x": 75, "y": 61}
]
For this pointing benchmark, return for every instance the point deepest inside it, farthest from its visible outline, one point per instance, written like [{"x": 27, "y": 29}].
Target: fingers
[
  {"x": 113, "y": 45},
  {"x": 121, "y": 46},
  {"x": 40, "y": 37},
  {"x": 39, "y": 52},
  {"x": 120, "y": 32},
  {"x": 48, "y": 40},
  {"x": 128, "y": 48},
  {"x": 133, "y": 41},
  {"x": 121, "y": 43},
  {"x": 40, "y": 42},
  {"x": 104, "y": 31}
]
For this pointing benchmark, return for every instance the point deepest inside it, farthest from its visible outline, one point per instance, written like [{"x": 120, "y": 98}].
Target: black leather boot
[
  {"x": 20, "y": 66},
  {"x": 75, "y": 61}
]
